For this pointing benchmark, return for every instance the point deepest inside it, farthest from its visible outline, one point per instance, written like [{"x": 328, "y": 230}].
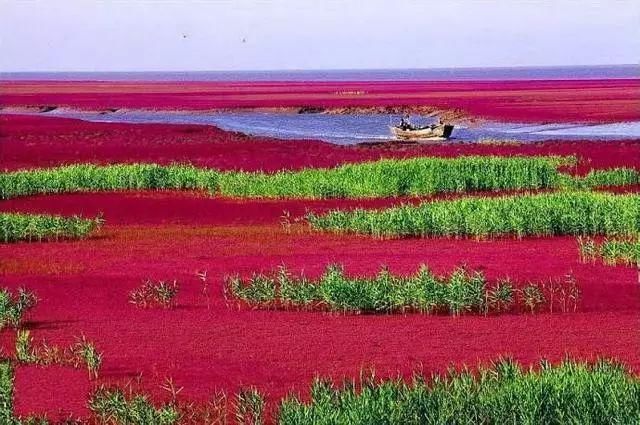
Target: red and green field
[{"x": 206, "y": 341}]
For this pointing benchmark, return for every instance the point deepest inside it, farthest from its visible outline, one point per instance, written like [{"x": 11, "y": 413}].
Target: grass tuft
[
  {"x": 38, "y": 227},
  {"x": 154, "y": 294},
  {"x": 564, "y": 213},
  {"x": 461, "y": 292},
  {"x": 611, "y": 251},
  {"x": 13, "y": 307},
  {"x": 112, "y": 406},
  {"x": 571, "y": 392}
]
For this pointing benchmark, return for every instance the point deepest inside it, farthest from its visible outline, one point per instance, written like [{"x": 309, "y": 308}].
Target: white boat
[{"x": 433, "y": 132}]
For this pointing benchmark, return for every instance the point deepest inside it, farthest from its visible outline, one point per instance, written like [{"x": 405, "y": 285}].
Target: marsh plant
[
  {"x": 15, "y": 227},
  {"x": 112, "y": 405},
  {"x": 562, "y": 213},
  {"x": 90, "y": 177},
  {"x": 203, "y": 278},
  {"x": 24, "y": 347},
  {"x": 13, "y": 307},
  {"x": 462, "y": 291},
  {"x": 84, "y": 352},
  {"x": 249, "y": 408},
  {"x": 503, "y": 393},
  {"x": 400, "y": 177},
  {"x": 155, "y": 294},
  {"x": 610, "y": 251},
  {"x": 382, "y": 178}
]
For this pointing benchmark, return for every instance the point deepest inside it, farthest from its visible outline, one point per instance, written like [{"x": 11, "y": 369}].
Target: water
[
  {"x": 434, "y": 74},
  {"x": 357, "y": 128}
]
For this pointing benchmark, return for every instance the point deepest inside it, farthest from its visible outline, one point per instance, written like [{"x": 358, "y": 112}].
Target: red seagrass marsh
[{"x": 205, "y": 340}]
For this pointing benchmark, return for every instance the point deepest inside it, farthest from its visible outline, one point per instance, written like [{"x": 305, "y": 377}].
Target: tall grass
[
  {"x": 155, "y": 294},
  {"x": 6, "y": 393},
  {"x": 113, "y": 406},
  {"x": 14, "y": 306},
  {"x": 570, "y": 393},
  {"x": 88, "y": 177},
  {"x": 462, "y": 291},
  {"x": 382, "y": 178},
  {"x": 388, "y": 177},
  {"x": 563, "y": 213},
  {"x": 611, "y": 251},
  {"x": 391, "y": 177},
  {"x": 610, "y": 177},
  {"x": 16, "y": 227}
]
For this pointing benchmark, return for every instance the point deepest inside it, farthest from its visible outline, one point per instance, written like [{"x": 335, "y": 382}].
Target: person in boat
[{"x": 405, "y": 123}]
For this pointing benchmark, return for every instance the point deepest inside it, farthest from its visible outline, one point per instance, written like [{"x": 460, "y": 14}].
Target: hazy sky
[{"x": 90, "y": 35}]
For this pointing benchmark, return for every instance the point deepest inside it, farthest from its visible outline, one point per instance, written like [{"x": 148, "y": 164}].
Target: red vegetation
[
  {"x": 205, "y": 344},
  {"x": 84, "y": 289},
  {"x": 530, "y": 101},
  {"x": 70, "y": 387}
]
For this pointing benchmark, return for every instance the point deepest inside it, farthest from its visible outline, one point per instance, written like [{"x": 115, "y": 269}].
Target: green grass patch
[
  {"x": 387, "y": 177},
  {"x": 391, "y": 177},
  {"x": 6, "y": 393},
  {"x": 113, "y": 406},
  {"x": 14, "y": 306},
  {"x": 15, "y": 227},
  {"x": 155, "y": 294},
  {"x": 611, "y": 251},
  {"x": 382, "y": 178},
  {"x": 562, "y": 213},
  {"x": 462, "y": 291},
  {"x": 570, "y": 393},
  {"x": 606, "y": 178},
  {"x": 88, "y": 177}
]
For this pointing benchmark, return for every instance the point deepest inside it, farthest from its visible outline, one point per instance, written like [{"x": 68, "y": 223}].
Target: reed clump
[
  {"x": 572, "y": 392},
  {"x": 461, "y": 292},
  {"x": 610, "y": 251},
  {"x": 154, "y": 294},
  {"x": 89, "y": 177},
  {"x": 502, "y": 392},
  {"x": 386, "y": 177},
  {"x": 13, "y": 307},
  {"x": 400, "y": 177},
  {"x": 562, "y": 213},
  {"x": 15, "y": 227},
  {"x": 620, "y": 176},
  {"x": 382, "y": 178},
  {"x": 111, "y": 405}
]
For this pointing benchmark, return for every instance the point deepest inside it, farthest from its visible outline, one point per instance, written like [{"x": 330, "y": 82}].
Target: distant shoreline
[{"x": 586, "y": 72}]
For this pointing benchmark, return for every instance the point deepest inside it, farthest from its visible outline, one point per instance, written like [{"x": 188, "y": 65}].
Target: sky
[{"x": 184, "y": 35}]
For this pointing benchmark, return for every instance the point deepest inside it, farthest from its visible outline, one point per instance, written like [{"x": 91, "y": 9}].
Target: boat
[{"x": 433, "y": 132}]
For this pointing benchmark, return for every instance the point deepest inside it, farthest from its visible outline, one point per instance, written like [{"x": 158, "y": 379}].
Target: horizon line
[{"x": 629, "y": 65}]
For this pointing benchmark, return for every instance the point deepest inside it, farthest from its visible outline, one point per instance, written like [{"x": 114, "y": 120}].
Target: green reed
[
  {"x": 14, "y": 306},
  {"x": 503, "y": 393},
  {"x": 382, "y": 178},
  {"x": 462, "y": 291},
  {"x": 89, "y": 177},
  {"x": 611, "y": 251},
  {"x": 16, "y": 227},
  {"x": 399, "y": 177},
  {"x": 562, "y": 213}
]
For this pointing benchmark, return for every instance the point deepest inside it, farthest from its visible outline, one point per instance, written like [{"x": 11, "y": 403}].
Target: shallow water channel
[{"x": 357, "y": 128}]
